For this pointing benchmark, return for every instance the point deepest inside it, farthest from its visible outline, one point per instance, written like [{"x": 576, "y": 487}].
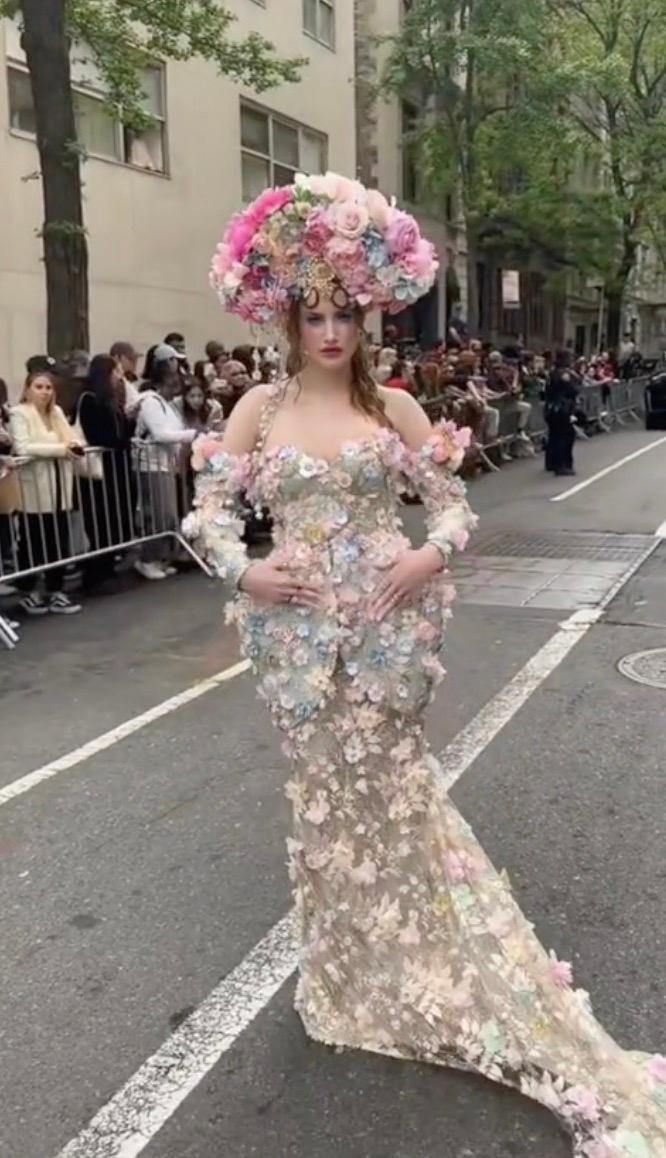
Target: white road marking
[
  {"x": 574, "y": 490},
  {"x": 127, "y": 1123},
  {"x": 660, "y": 532},
  {"x": 125, "y": 1126},
  {"x": 108, "y": 739}
]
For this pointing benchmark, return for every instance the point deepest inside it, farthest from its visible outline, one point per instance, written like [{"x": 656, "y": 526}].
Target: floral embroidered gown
[{"x": 412, "y": 944}]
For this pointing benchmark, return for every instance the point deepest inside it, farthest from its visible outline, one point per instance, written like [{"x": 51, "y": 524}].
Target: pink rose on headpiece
[
  {"x": 350, "y": 220},
  {"x": 317, "y": 233},
  {"x": 419, "y": 263},
  {"x": 348, "y": 190},
  {"x": 221, "y": 260},
  {"x": 402, "y": 235},
  {"x": 378, "y": 208},
  {"x": 234, "y": 277},
  {"x": 239, "y": 237}
]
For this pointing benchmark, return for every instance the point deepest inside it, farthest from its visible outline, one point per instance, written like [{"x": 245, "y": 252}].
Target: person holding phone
[{"x": 41, "y": 433}]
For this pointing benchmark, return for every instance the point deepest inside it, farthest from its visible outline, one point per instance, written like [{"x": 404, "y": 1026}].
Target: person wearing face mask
[
  {"x": 40, "y": 431},
  {"x": 162, "y": 435}
]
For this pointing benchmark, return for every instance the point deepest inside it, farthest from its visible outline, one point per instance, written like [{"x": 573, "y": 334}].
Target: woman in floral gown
[{"x": 412, "y": 944}]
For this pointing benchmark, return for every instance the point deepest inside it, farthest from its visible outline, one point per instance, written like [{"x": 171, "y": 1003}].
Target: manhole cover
[{"x": 646, "y": 667}]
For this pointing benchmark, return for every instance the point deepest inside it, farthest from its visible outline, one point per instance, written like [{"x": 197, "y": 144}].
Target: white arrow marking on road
[{"x": 606, "y": 471}]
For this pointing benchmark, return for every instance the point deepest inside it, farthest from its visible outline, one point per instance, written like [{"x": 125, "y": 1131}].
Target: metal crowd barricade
[{"x": 64, "y": 513}]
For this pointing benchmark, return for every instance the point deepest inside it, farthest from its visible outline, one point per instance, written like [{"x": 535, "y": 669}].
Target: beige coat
[{"x": 47, "y": 447}]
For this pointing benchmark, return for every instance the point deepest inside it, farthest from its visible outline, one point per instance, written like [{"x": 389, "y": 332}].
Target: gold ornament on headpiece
[{"x": 319, "y": 281}]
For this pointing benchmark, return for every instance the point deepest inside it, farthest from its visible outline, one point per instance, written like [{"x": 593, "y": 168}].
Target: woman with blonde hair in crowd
[{"x": 41, "y": 432}]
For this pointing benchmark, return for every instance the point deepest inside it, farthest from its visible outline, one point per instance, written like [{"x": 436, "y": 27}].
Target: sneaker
[
  {"x": 169, "y": 570},
  {"x": 151, "y": 571},
  {"x": 61, "y": 604},
  {"x": 34, "y": 605}
]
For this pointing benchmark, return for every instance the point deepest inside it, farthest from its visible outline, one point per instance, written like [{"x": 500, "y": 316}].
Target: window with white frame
[
  {"x": 319, "y": 20},
  {"x": 100, "y": 134},
  {"x": 273, "y": 150}
]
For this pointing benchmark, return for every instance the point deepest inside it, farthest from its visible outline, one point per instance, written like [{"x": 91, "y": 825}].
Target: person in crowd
[
  {"x": 458, "y": 330},
  {"x": 40, "y": 430},
  {"x": 237, "y": 382},
  {"x": 177, "y": 342},
  {"x": 246, "y": 356},
  {"x": 399, "y": 378},
  {"x": 107, "y": 504},
  {"x": 626, "y": 354},
  {"x": 7, "y": 480},
  {"x": 522, "y": 444},
  {"x": 482, "y": 393},
  {"x": 202, "y": 414},
  {"x": 165, "y": 352},
  {"x": 148, "y": 364},
  {"x": 198, "y": 411},
  {"x": 216, "y": 356},
  {"x": 161, "y": 437},
  {"x": 40, "y": 364},
  {"x": 127, "y": 359},
  {"x": 559, "y": 413}
]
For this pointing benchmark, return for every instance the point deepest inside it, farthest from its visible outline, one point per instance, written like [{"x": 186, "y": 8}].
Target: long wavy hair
[{"x": 365, "y": 394}]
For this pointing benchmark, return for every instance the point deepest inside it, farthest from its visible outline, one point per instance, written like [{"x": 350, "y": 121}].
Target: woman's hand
[
  {"x": 405, "y": 579},
  {"x": 275, "y": 584}
]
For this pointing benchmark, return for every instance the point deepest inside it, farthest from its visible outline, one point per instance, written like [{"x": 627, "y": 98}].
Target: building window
[
  {"x": 319, "y": 20},
  {"x": 273, "y": 150},
  {"x": 100, "y": 134}
]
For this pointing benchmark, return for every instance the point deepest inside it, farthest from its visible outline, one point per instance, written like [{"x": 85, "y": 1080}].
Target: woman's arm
[
  {"x": 223, "y": 465},
  {"x": 437, "y": 454},
  {"x": 154, "y": 414}
]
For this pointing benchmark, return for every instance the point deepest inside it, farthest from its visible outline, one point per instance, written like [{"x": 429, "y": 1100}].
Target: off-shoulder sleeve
[
  {"x": 431, "y": 472},
  {"x": 214, "y": 524}
]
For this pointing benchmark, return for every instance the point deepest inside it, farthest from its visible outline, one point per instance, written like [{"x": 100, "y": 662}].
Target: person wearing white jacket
[
  {"x": 162, "y": 438},
  {"x": 41, "y": 433}
]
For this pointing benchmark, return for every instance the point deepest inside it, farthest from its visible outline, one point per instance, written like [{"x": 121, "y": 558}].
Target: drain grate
[
  {"x": 601, "y": 547},
  {"x": 645, "y": 667}
]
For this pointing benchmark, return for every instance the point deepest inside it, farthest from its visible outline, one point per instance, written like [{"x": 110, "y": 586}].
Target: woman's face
[
  {"x": 40, "y": 393},
  {"x": 116, "y": 375},
  {"x": 195, "y": 398},
  {"x": 329, "y": 334}
]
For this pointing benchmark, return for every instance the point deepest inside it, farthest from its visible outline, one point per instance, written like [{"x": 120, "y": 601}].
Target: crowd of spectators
[
  {"x": 59, "y": 498},
  {"x": 144, "y": 414}
]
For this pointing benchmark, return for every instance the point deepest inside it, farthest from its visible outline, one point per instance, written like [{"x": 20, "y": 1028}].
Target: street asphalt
[{"x": 133, "y": 882}]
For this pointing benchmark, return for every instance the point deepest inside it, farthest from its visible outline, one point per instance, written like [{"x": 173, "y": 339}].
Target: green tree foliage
[
  {"x": 547, "y": 118},
  {"x": 121, "y": 38}
]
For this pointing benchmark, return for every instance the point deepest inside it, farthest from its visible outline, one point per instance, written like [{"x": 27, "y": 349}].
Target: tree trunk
[
  {"x": 63, "y": 235},
  {"x": 615, "y": 300}
]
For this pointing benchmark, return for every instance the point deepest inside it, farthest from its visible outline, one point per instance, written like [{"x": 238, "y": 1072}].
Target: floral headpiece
[{"x": 321, "y": 234}]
